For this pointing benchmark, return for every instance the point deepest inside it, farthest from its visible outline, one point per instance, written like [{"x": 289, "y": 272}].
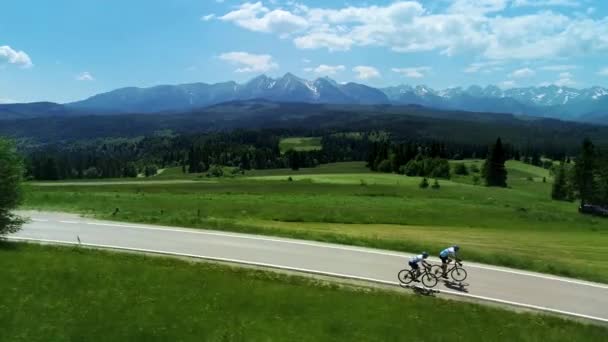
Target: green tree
[
  {"x": 150, "y": 170},
  {"x": 494, "y": 170},
  {"x": 11, "y": 173},
  {"x": 560, "y": 185},
  {"x": 460, "y": 169},
  {"x": 130, "y": 170},
  {"x": 583, "y": 172},
  {"x": 424, "y": 183},
  {"x": 385, "y": 166}
]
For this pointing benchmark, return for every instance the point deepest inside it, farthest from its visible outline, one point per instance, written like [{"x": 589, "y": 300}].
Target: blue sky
[{"x": 65, "y": 50}]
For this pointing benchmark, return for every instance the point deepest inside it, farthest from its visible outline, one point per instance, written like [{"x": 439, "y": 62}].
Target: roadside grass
[
  {"x": 61, "y": 293},
  {"x": 517, "y": 227},
  {"x": 300, "y": 144}
]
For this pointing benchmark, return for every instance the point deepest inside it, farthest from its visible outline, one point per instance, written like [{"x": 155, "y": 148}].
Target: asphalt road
[{"x": 507, "y": 286}]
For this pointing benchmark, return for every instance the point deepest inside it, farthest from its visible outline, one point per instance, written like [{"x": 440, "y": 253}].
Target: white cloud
[
  {"x": 415, "y": 72},
  {"x": 472, "y": 26},
  {"x": 603, "y": 72},
  {"x": 248, "y": 62},
  {"x": 507, "y": 84},
  {"x": 15, "y": 57},
  {"x": 488, "y": 66},
  {"x": 522, "y": 73},
  {"x": 565, "y": 80},
  {"x": 6, "y": 101},
  {"x": 546, "y": 3},
  {"x": 559, "y": 67},
  {"x": 477, "y": 6},
  {"x": 324, "y": 69},
  {"x": 256, "y": 17},
  {"x": 85, "y": 76},
  {"x": 208, "y": 17},
  {"x": 366, "y": 72}
]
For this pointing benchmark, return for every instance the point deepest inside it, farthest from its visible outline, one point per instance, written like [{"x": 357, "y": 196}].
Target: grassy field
[
  {"x": 518, "y": 227},
  {"x": 300, "y": 144},
  {"x": 61, "y": 294}
]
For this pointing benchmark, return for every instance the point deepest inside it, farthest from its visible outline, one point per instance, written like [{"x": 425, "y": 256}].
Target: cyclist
[
  {"x": 445, "y": 258},
  {"x": 414, "y": 264}
]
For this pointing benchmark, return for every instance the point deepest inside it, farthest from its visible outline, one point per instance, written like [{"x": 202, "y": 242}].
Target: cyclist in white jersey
[
  {"x": 417, "y": 259},
  {"x": 445, "y": 255}
]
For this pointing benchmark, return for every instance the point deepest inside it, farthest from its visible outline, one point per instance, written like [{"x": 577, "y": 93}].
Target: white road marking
[
  {"x": 245, "y": 262},
  {"x": 346, "y": 248},
  {"x": 70, "y": 222},
  {"x": 39, "y": 220}
]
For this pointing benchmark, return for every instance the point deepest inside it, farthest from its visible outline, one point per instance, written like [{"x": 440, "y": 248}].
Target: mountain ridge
[{"x": 587, "y": 104}]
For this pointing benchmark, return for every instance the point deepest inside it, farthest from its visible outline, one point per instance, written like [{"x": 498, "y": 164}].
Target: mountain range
[{"x": 590, "y": 104}]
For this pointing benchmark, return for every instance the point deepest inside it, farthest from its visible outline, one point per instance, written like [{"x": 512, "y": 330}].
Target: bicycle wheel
[
  {"x": 458, "y": 274},
  {"x": 429, "y": 280},
  {"x": 437, "y": 271},
  {"x": 405, "y": 277}
]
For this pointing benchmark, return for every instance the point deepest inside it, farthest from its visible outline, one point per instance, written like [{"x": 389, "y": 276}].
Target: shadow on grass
[{"x": 8, "y": 245}]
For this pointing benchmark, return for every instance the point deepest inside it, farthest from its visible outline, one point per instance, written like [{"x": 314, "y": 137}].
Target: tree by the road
[
  {"x": 560, "y": 185},
  {"x": 494, "y": 170},
  {"x": 583, "y": 172},
  {"x": 11, "y": 171}
]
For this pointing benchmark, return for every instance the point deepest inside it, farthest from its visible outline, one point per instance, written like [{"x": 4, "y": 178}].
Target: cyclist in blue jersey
[
  {"x": 445, "y": 255},
  {"x": 414, "y": 263}
]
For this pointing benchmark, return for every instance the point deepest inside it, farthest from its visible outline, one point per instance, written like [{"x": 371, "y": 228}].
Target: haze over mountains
[{"x": 589, "y": 104}]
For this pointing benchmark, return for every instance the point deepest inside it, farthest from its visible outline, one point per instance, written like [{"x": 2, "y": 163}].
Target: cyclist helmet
[
  {"x": 456, "y": 248},
  {"x": 425, "y": 255}
]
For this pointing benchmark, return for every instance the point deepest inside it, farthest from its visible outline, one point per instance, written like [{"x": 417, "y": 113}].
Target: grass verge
[{"x": 60, "y": 293}]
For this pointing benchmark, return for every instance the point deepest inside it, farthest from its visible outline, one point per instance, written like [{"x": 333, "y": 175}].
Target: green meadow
[
  {"x": 300, "y": 144},
  {"x": 519, "y": 226},
  {"x": 73, "y": 294}
]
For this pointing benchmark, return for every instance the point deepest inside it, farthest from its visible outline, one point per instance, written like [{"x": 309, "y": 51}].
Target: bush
[
  {"x": 436, "y": 185},
  {"x": 91, "y": 173},
  {"x": 474, "y": 168},
  {"x": 215, "y": 171},
  {"x": 461, "y": 169},
  {"x": 424, "y": 183},
  {"x": 150, "y": 170},
  {"x": 476, "y": 179},
  {"x": 385, "y": 166}
]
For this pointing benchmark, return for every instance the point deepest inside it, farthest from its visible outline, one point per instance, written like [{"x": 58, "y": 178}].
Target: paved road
[{"x": 507, "y": 286}]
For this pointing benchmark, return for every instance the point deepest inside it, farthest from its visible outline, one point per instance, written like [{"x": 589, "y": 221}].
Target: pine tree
[
  {"x": 583, "y": 172},
  {"x": 494, "y": 170},
  {"x": 560, "y": 185}
]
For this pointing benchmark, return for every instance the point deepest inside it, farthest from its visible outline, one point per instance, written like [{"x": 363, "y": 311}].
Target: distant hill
[
  {"x": 33, "y": 110},
  {"x": 403, "y": 122}
]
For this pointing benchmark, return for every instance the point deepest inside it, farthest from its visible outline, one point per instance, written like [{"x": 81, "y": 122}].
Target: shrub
[
  {"x": 461, "y": 169},
  {"x": 215, "y": 171},
  {"x": 473, "y": 168},
  {"x": 385, "y": 166},
  {"x": 436, "y": 185},
  {"x": 150, "y": 170},
  {"x": 424, "y": 183},
  {"x": 476, "y": 179}
]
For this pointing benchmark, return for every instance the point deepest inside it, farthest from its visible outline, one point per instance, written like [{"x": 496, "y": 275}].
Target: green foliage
[
  {"x": 90, "y": 173},
  {"x": 436, "y": 185},
  {"x": 476, "y": 179},
  {"x": 474, "y": 168},
  {"x": 584, "y": 167},
  {"x": 215, "y": 171},
  {"x": 385, "y": 166},
  {"x": 427, "y": 167},
  {"x": 150, "y": 170},
  {"x": 11, "y": 174},
  {"x": 460, "y": 169},
  {"x": 494, "y": 170},
  {"x": 130, "y": 170},
  {"x": 561, "y": 189},
  {"x": 424, "y": 183}
]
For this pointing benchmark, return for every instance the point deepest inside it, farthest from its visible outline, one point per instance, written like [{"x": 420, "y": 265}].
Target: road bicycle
[
  {"x": 456, "y": 271},
  {"x": 407, "y": 276}
]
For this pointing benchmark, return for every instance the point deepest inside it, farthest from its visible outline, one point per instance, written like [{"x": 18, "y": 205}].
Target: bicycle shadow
[
  {"x": 460, "y": 287},
  {"x": 420, "y": 290}
]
